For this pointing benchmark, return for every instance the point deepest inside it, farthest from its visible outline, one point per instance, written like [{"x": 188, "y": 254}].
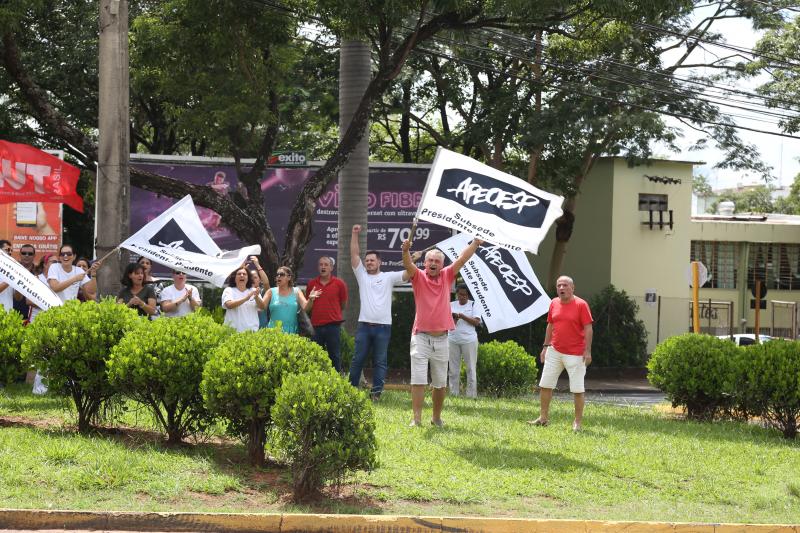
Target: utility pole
[{"x": 112, "y": 197}]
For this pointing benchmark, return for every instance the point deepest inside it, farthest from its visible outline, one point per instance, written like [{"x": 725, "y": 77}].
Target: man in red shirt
[
  {"x": 326, "y": 311},
  {"x": 433, "y": 320},
  {"x": 567, "y": 345}
]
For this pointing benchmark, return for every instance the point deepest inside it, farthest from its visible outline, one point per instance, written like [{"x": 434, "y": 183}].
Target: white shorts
[
  {"x": 427, "y": 348},
  {"x": 555, "y": 362}
]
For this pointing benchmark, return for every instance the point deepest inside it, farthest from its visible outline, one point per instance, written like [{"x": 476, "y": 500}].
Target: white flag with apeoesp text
[
  {"x": 502, "y": 283},
  {"x": 479, "y": 200}
]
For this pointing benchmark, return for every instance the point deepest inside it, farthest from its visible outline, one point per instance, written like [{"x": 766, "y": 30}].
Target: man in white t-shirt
[
  {"x": 180, "y": 298},
  {"x": 375, "y": 315},
  {"x": 463, "y": 343},
  {"x": 6, "y": 292}
]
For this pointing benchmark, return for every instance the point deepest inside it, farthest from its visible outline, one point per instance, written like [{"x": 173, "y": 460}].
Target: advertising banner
[
  {"x": 394, "y": 194},
  {"x": 34, "y": 223}
]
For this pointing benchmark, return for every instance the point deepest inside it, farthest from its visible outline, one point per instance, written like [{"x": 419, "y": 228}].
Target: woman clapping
[
  {"x": 242, "y": 301},
  {"x": 135, "y": 293}
]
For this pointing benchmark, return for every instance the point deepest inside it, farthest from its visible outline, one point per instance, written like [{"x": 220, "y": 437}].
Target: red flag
[{"x": 28, "y": 174}]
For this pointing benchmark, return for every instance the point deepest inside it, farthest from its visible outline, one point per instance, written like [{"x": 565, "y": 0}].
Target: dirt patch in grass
[{"x": 25, "y": 422}]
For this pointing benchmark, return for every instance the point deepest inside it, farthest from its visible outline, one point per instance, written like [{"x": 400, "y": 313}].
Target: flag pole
[
  {"x": 107, "y": 255},
  {"x": 424, "y": 193}
]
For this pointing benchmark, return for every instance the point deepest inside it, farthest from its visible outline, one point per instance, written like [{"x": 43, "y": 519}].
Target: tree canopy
[{"x": 539, "y": 92}]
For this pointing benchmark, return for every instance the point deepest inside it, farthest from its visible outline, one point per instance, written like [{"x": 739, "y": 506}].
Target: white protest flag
[
  {"x": 474, "y": 198},
  {"x": 177, "y": 239},
  {"x": 27, "y": 284},
  {"x": 502, "y": 283}
]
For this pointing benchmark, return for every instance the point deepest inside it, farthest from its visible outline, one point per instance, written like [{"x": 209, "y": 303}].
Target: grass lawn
[{"x": 629, "y": 463}]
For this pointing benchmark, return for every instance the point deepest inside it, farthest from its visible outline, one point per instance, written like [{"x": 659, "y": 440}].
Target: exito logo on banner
[{"x": 287, "y": 159}]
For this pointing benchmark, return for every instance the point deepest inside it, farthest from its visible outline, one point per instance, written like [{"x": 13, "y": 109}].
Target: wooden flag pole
[
  {"x": 413, "y": 231},
  {"x": 107, "y": 255}
]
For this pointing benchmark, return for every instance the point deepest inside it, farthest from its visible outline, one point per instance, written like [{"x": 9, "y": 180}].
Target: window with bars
[
  {"x": 653, "y": 202},
  {"x": 777, "y": 265},
  {"x": 720, "y": 258}
]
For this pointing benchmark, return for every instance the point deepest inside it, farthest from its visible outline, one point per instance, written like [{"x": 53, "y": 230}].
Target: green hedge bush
[
  {"x": 70, "y": 345},
  {"x": 325, "y": 427},
  {"x": 243, "y": 374},
  {"x": 505, "y": 369},
  {"x": 771, "y": 388},
  {"x": 12, "y": 332},
  {"x": 619, "y": 337},
  {"x": 698, "y": 372},
  {"x": 161, "y": 366}
]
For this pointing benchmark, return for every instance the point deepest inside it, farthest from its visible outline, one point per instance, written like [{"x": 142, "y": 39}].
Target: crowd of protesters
[{"x": 443, "y": 335}]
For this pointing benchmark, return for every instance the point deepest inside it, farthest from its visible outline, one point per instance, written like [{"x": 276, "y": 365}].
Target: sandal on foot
[{"x": 539, "y": 422}]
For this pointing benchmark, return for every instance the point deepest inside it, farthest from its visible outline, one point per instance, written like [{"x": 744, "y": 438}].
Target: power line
[
  {"x": 633, "y": 82},
  {"x": 613, "y": 100},
  {"x": 595, "y": 96},
  {"x": 660, "y": 72}
]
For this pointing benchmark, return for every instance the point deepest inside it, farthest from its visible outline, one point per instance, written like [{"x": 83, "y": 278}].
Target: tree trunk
[
  {"x": 405, "y": 123},
  {"x": 536, "y": 151},
  {"x": 354, "y": 77},
  {"x": 256, "y": 440}
]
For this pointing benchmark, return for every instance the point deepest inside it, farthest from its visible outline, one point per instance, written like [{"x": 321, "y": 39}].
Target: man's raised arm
[
  {"x": 411, "y": 268},
  {"x": 355, "y": 251},
  {"x": 462, "y": 259}
]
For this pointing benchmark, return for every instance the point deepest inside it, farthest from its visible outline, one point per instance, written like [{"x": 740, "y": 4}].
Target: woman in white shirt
[
  {"x": 242, "y": 302},
  {"x": 66, "y": 279}
]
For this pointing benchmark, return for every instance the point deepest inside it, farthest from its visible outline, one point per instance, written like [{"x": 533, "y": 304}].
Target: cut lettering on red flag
[{"x": 28, "y": 174}]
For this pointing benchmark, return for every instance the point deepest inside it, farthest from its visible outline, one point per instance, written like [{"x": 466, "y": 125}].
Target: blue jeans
[
  {"x": 377, "y": 336},
  {"x": 329, "y": 337}
]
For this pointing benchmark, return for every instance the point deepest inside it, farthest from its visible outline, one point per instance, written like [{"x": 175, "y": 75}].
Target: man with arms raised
[
  {"x": 432, "y": 322},
  {"x": 567, "y": 345},
  {"x": 375, "y": 315}
]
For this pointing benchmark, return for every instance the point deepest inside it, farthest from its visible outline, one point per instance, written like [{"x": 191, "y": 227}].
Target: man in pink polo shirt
[
  {"x": 432, "y": 322},
  {"x": 567, "y": 345}
]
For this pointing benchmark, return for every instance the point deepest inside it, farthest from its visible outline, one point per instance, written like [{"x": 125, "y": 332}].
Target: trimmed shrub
[
  {"x": 698, "y": 372},
  {"x": 325, "y": 427},
  {"x": 772, "y": 384},
  {"x": 161, "y": 366},
  {"x": 505, "y": 369},
  {"x": 70, "y": 344},
  {"x": 243, "y": 374},
  {"x": 619, "y": 337},
  {"x": 11, "y": 334}
]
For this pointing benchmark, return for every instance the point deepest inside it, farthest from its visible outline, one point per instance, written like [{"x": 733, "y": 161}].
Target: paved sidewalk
[{"x": 627, "y": 381}]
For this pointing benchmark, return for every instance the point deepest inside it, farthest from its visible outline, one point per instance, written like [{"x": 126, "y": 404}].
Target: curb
[{"x": 296, "y": 523}]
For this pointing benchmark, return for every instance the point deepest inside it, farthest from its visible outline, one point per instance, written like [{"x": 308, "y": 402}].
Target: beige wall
[
  {"x": 642, "y": 258},
  {"x": 588, "y": 258}
]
